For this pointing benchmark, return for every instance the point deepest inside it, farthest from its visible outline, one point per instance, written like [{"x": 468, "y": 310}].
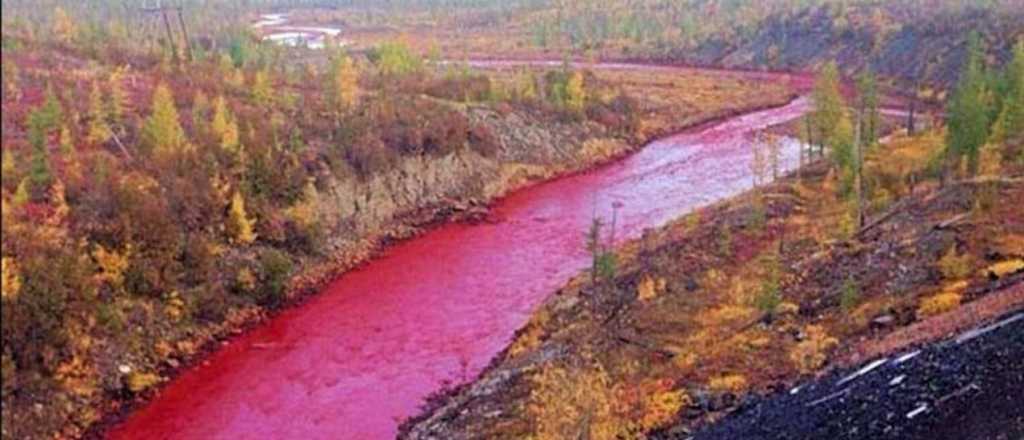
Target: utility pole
[
  {"x": 169, "y": 32},
  {"x": 184, "y": 33}
]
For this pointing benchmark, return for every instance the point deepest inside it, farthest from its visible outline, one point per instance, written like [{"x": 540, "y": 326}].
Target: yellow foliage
[
  {"x": 575, "y": 95},
  {"x": 786, "y": 308},
  {"x": 240, "y": 226},
  {"x": 99, "y": 130},
  {"x": 11, "y": 278},
  {"x": 1011, "y": 244},
  {"x": 1004, "y": 268},
  {"x": 112, "y": 265},
  {"x": 568, "y": 404},
  {"x": 175, "y": 306},
  {"x": 955, "y": 266},
  {"x": 649, "y": 288},
  {"x": 118, "y": 98},
  {"x": 346, "y": 84},
  {"x": 62, "y": 28},
  {"x": 162, "y": 130},
  {"x": 728, "y": 314},
  {"x": 138, "y": 382},
  {"x": 661, "y": 408},
  {"x": 733, "y": 383},
  {"x": 187, "y": 348},
  {"x": 530, "y": 338},
  {"x": 262, "y": 92},
  {"x": 77, "y": 376},
  {"x": 245, "y": 280},
  {"x": 685, "y": 361},
  {"x": 939, "y": 304},
  {"x": 306, "y": 212},
  {"x": 811, "y": 353},
  {"x": 163, "y": 349},
  {"x": 224, "y": 126}
]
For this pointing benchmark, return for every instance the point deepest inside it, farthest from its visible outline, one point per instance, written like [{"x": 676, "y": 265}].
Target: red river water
[{"x": 361, "y": 355}]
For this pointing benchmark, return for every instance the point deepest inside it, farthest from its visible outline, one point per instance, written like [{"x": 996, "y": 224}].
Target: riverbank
[
  {"x": 467, "y": 207},
  {"x": 152, "y": 296},
  {"x": 777, "y": 275},
  {"x": 314, "y": 278}
]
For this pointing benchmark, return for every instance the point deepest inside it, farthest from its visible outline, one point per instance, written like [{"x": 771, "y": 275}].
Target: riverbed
[{"x": 363, "y": 354}]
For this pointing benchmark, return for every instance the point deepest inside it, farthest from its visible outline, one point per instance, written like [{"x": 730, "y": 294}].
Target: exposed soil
[{"x": 956, "y": 389}]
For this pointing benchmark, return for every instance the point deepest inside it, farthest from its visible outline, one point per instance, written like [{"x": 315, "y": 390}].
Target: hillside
[
  {"x": 670, "y": 340},
  {"x": 153, "y": 205},
  {"x": 914, "y": 43}
]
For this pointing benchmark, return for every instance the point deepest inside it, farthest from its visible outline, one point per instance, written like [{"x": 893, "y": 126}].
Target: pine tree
[
  {"x": 21, "y": 195},
  {"x": 39, "y": 174},
  {"x": 200, "y": 111},
  {"x": 224, "y": 126},
  {"x": 99, "y": 130},
  {"x": 262, "y": 94},
  {"x": 162, "y": 133},
  {"x": 1010, "y": 124},
  {"x": 575, "y": 95},
  {"x": 10, "y": 285},
  {"x": 527, "y": 90},
  {"x": 240, "y": 226},
  {"x": 118, "y": 98},
  {"x": 967, "y": 113},
  {"x": 62, "y": 28},
  {"x": 867, "y": 106},
  {"x": 828, "y": 104},
  {"x": 344, "y": 84}
]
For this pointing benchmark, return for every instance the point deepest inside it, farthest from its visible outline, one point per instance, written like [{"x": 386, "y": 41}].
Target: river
[
  {"x": 364, "y": 353},
  {"x": 361, "y": 355}
]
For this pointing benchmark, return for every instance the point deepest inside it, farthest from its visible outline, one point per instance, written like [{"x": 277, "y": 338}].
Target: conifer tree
[
  {"x": 99, "y": 130},
  {"x": 1010, "y": 124},
  {"x": 240, "y": 226},
  {"x": 162, "y": 133},
  {"x": 39, "y": 174},
  {"x": 828, "y": 104},
  {"x": 10, "y": 285},
  {"x": 867, "y": 106},
  {"x": 967, "y": 113},
  {"x": 262, "y": 94},
  {"x": 224, "y": 126},
  {"x": 344, "y": 85},
  {"x": 575, "y": 95},
  {"x": 118, "y": 98},
  {"x": 62, "y": 28}
]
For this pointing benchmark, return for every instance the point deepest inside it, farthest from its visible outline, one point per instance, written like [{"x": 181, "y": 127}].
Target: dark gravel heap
[{"x": 970, "y": 388}]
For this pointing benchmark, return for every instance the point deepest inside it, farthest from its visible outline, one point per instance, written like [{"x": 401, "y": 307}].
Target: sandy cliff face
[{"x": 422, "y": 189}]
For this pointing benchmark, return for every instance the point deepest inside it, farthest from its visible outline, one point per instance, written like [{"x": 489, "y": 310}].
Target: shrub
[
  {"x": 850, "y": 295},
  {"x": 953, "y": 266},
  {"x": 649, "y": 288},
  {"x": 662, "y": 408},
  {"x": 811, "y": 353},
  {"x": 275, "y": 268},
  {"x": 938, "y": 304},
  {"x": 733, "y": 383},
  {"x": 1004, "y": 268},
  {"x": 561, "y": 400},
  {"x": 769, "y": 297}
]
